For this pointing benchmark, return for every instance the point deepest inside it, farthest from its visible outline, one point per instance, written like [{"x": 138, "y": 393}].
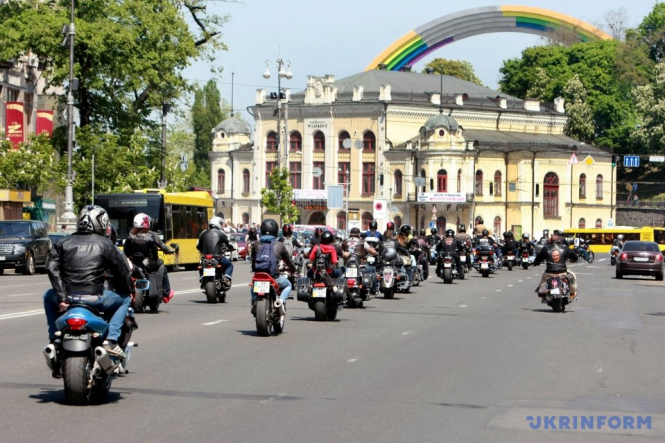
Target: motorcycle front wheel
[
  {"x": 591, "y": 256},
  {"x": 138, "y": 302},
  {"x": 525, "y": 265},
  {"x": 262, "y": 326},
  {"x": 389, "y": 292}
]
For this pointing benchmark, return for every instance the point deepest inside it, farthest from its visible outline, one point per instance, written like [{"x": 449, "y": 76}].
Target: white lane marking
[
  {"x": 602, "y": 259},
  {"x": 21, "y": 314},
  {"x": 463, "y": 306},
  {"x": 353, "y": 360},
  {"x": 483, "y": 298},
  {"x": 528, "y": 278},
  {"x": 268, "y": 400},
  {"x": 407, "y": 332},
  {"x": 499, "y": 290},
  {"x": 520, "y": 281},
  {"x": 189, "y": 278},
  {"x": 599, "y": 369},
  {"x": 213, "y": 322},
  {"x": 584, "y": 273},
  {"x": 510, "y": 286},
  {"x": 20, "y": 295}
]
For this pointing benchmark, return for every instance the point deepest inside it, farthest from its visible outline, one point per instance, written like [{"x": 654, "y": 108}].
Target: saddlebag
[
  {"x": 304, "y": 289},
  {"x": 367, "y": 279},
  {"x": 339, "y": 296}
]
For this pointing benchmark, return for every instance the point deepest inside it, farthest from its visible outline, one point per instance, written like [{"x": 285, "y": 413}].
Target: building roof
[
  {"x": 441, "y": 120},
  {"x": 233, "y": 126},
  {"x": 523, "y": 140}
]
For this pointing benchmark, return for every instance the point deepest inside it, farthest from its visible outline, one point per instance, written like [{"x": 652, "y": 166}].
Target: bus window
[
  {"x": 179, "y": 222},
  {"x": 201, "y": 220}
]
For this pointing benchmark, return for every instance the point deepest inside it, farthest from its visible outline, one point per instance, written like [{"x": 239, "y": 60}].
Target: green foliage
[
  {"x": 652, "y": 32},
  {"x": 206, "y": 114},
  {"x": 34, "y": 165},
  {"x": 579, "y": 124},
  {"x": 461, "y": 69},
  {"x": 277, "y": 198},
  {"x": 650, "y": 103}
]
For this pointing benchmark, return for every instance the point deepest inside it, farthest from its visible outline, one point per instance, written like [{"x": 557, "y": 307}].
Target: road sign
[
  {"x": 380, "y": 209},
  {"x": 419, "y": 181},
  {"x": 634, "y": 187},
  {"x": 657, "y": 158},
  {"x": 589, "y": 161},
  {"x": 573, "y": 159},
  {"x": 358, "y": 144},
  {"x": 610, "y": 223},
  {"x": 346, "y": 143},
  {"x": 631, "y": 161},
  {"x": 432, "y": 225},
  {"x": 316, "y": 172}
]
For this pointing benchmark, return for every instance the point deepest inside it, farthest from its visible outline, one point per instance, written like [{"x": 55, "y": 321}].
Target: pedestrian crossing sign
[{"x": 573, "y": 159}]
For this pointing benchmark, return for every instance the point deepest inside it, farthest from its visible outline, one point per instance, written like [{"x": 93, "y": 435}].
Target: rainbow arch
[{"x": 450, "y": 28}]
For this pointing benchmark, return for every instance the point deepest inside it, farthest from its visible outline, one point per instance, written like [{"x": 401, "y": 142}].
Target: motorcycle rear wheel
[
  {"x": 510, "y": 265},
  {"x": 210, "y": 291},
  {"x": 320, "y": 311},
  {"x": 525, "y": 265},
  {"x": 485, "y": 273},
  {"x": 262, "y": 326},
  {"x": 447, "y": 275},
  {"x": 75, "y": 371}
]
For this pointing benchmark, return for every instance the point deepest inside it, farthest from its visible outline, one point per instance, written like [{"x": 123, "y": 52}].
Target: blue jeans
[
  {"x": 110, "y": 303},
  {"x": 228, "y": 266},
  {"x": 582, "y": 251},
  {"x": 284, "y": 285}
]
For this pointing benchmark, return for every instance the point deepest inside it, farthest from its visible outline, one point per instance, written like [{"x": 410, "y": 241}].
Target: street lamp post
[
  {"x": 347, "y": 192},
  {"x": 281, "y": 73},
  {"x": 166, "y": 107}
]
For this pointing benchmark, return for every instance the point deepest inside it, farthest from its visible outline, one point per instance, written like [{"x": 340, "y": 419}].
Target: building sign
[
  {"x": 310, "y": 194},
  {"x": 441, "y": 197},
  {"x": 45, "y": 122},
  {"x": 317, "y": 124},
  {"x": 14, "y": 122}
]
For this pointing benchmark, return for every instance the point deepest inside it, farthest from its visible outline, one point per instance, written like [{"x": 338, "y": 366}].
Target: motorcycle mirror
[{"x": 142, "y": 285}]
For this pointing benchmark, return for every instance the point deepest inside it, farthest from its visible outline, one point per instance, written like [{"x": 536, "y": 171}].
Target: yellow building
[{"x": 471, "y": 151}]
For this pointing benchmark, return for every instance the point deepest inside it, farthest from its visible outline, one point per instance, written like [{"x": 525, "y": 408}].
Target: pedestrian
[{"x": 635, "y": 200}]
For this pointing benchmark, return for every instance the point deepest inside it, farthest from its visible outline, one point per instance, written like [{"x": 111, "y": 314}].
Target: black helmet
[
  {"x": 355, "y": 232},
  {"x": 287, "y": 229},
  {"x": 480, "y": 220},
  {"x": 507, "y": 234},
  {"x": 373, "y": 225},
  {"x": 269, "y": 227},
  {"x": 461, "y": 228},
  {"x": 485, "y": 233},
  {"x": 390, "y": 225},
  {"x": 423, "y": 232},
  {"x": 93, "y": 218},
  {"x": 327, "y": 238},
  {"x": 433, "y": 231},
  {"x": 450, "y": 233},
  {"x": 414, "y": 242},
  {"x": 405, "y": 230},
  {"x": 318, "y": 231}
]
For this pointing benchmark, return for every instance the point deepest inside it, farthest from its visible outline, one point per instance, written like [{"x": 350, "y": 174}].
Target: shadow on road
[
  {"x": 56, "y": 395},
  {"x": 658, "y": 314}
]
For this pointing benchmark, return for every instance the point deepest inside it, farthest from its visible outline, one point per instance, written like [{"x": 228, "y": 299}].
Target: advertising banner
[
  {"x": 441, "y": 197},
  {"x": 310, "y": 194},
  {"x": 14, "y": 122},
  {"x": 44, "y": 122}
]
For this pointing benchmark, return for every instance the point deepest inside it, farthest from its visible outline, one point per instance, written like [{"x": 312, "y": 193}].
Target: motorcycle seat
[{"x": 95, "y": 311}]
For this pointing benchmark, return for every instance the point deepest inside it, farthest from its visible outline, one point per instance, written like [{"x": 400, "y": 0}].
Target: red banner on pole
[
  {"x": 14, "y": 122},
  {"x": 44, "y": 122}
]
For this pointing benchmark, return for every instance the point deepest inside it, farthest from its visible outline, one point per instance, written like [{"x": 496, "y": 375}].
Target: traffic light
[
  {"x": 614, "y": 161},
  {"x": 380, "y": 179}
]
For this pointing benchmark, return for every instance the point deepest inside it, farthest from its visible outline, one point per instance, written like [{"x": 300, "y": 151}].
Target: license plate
[
  {"x": 82, "y": 337},
  {"x": 510, "y": 258},
  {"x": 261, "y": 287},
  {"x": 641, "y": 259},
  {"x": 525, "y": 260},
  {"x": 208, "y": 272},
  {"x": 352, "y": 272},
  {"x": 554, "y": 291},
  {"x": 2, "y": 258},
  {"x": 462, "y": 258},
  {"x": 447, "y": 265},
  {"x": 484, "y": 266},
  {"x": 319, "y": 293}
]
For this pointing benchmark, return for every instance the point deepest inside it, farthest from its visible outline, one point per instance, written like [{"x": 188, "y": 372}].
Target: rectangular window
[
  {"x": 270, "y": 166},
  {"x": 317, "y": 182},
  {"x": 12, "y": 95},
  {"x": 497, "y": 184},
  {"x": 369, "y": 179},
  {"x": 295, "y": 176},
  {"x": 442, "y": 183},
  {"x": 344, "y": 175},
  {"x": 551, "y": 201},
  {"x": 245, "y": 182}
]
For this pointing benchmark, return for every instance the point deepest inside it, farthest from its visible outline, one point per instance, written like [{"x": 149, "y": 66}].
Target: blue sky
[{"x": 341, "y": 37}]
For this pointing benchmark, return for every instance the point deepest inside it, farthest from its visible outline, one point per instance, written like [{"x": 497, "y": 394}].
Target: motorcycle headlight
[{"x": 19, "y": 249}]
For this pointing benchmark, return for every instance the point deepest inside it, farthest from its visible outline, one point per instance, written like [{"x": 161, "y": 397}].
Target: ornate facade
[{"x": 436, "y": 148}]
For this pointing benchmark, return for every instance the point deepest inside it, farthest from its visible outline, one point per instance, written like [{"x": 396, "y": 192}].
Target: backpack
[
  {"x": 265, "y": 260},
  {"x": 326, "y": 257},
  {"x": 288, "y": 244}
]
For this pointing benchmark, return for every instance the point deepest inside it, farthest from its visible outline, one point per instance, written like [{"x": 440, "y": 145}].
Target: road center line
[
  {"x": 21, "y": 314},
  {"x": 463, "y": 306},
  {"x": 407, "y": 332},
  {"x": 20, "y": 295},
  {"x": 214, "y": 322}
]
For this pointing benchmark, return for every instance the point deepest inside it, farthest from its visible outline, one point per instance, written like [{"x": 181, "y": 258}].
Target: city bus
[
  {"x": 603, "y": 238},
  {"x": 178, "y": 217}
]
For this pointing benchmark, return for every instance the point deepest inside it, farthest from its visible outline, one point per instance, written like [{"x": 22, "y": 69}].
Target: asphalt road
[{"x": 466, "y": 362}]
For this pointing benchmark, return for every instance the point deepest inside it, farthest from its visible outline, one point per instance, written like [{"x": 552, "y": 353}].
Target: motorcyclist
[
  {"x": 417, "y": 248},
  {"x": 364, "y": 249},
  {"x": 402, "y": 248},
  {"x": 426, "y": 252},
  {"x": 76, "y": 267},
  {"x": 555, "y": 254},
  {"x": 373, "y": 226},
  {"x": 269, "y": 230},
  {"x": 510, "y": 244},
  {"x": 290, "y": 243},
  {"x": 316, "y": 240},
  {"x": 327, "y": 248},
  {"x": 214, "y": 241},
  {"x": 480, "y": 226},
  {"x": 485, "y": 238},
  {"x": 142, "y": 240},
  {"x": 526, "y": 244},
  {"x": 433, "y": 239},
  {"x": 578, "y": 244},
  {"x": 390, "y": 230},
  {"x": 350, "y": 244},
  {"x": 450, "y": 245}
]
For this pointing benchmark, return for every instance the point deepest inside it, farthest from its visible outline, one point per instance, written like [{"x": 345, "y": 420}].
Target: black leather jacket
[
  {"x": 146, "y": 243},
  {"x": 213, "y": 241},
  {"x": 555, "y": 254},
  {"x": 77, "y": 265},
  {"x": 451, "y": 245}
]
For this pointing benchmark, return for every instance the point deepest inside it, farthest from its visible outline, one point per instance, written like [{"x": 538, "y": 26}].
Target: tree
[
  {"x": 206, "y": 114},
  {"x": 461, "y": 69},
  {"x": 650, "y": 103},
  {"x": 616, "y": 23},
  {"x": 652, "y": 32},
  {"x": 34, "y": 165},
  {"x": 539, "y": 87},
  {"x": 278, "y": 196},
  {"x": 580, "y": 117}
]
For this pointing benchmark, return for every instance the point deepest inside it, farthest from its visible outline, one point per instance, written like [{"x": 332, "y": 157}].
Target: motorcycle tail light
[
  {"x": 76, "y": 324},
  {"x": 491, "y": 252},
  {"x": 208, "y": 256},
  {"x": 624, "y": 256},
  {"x": 351, "y": 283}
]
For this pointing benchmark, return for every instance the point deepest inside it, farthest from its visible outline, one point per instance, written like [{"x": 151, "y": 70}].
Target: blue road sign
[
  {"x": 631, "y": 161},
  {"x": 432, "y": 225}
]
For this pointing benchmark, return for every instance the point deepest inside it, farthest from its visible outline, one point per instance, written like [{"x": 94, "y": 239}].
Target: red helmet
[
  {"x": 390, "y": 225},
  {"x": 287, "y": 229}
]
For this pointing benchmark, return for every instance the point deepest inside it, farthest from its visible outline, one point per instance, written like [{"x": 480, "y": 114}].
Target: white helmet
[
  {"x": 620, "y": 236},
  {"x": 93, "y": 218},
  {"x": 215, "y": 223},
  {"x": 142, "y": 221}
]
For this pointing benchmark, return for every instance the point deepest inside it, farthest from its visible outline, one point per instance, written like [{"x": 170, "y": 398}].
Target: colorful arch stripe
[{"x": 416, "y": 44}]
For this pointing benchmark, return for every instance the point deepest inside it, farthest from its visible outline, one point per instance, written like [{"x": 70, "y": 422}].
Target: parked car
[
  {"x": 640, "y": 258},
  {"x": 56, "y": 236},
  {"x": 238, "y": 241},
  {"x": 24, "y": 245}
]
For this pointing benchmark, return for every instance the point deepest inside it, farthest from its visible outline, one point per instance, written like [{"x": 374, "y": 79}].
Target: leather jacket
[
  {"x": 77, "y": 265},
  {"x": 146, "y": 243},
  {"x": 555, "y": 255},
  {"x": 213, "y": 241},
  {"x": 450, "y": 244}
]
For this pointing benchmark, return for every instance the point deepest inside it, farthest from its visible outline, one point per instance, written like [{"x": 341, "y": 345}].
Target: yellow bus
[
  {"x": 602, "y": 239},
  {"x": 178, "y": 218}
]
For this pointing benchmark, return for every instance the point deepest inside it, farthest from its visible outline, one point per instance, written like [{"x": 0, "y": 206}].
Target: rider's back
[{"x": 212, "y": 242}]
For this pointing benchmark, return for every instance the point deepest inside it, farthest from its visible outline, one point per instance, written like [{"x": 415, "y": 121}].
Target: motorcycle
[
  {"x": 270, "y": 312},
  {"x": 614, "y": 253},
  {"x": 358, "y": 283},
  {"x": 147, "y": 269},
  {"x": 87, "y": 369},
  {"x": 391, "y": 278},
  {"x": 589, "y": 253},
  {"x": 484, "y": 262},
  {"x": 448, "y": 269},
  {"x": 558, "y": 293},
  {"x": 324, "y": 300},
  {"x": 509, "y": 260},
  {"x": 214, "y": 283},
  {"x": 525, "y": 259}
]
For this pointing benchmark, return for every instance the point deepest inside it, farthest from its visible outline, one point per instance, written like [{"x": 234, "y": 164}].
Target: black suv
[{"x": 24, "y": 245}]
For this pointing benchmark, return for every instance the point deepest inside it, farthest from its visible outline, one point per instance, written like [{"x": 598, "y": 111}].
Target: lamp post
[
  {"x": 166, "y": 107},
  {"x": 347, "y": 191},
  {"x": 281, "y": 73}
]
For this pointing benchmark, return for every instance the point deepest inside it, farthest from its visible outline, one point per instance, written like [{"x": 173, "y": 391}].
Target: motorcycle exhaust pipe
[
  {"x": 51, "y": 357},
  {"x": 279, "y": 305},
  {"x": 104, "y": 360}
]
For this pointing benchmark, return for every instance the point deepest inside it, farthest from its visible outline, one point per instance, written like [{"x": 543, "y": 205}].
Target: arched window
[
  {"x": 340, "y": 141},
  {"x": 497, "y": 183},
  {"x": 398, "y": 221},
  {"x": 245, "y": 181},
  {"x": 319, "y": 141},
  {"x": 442, "y": 181},
  {"x": 271, "y": 141},
  {"x": 221, "y": 181},
  {"x": 497, "y": 225},
  {"x": 479, "y": 182},
  {"x": 341, "y": 220},
  {"x": 369, "y": 141},
  {"x": 599, "y": 223},
  {"x": 317, "y": 218},
  {"x": 551, "y": 195},
  {"x": 245, "y": 218},
  {"x": 581, "y": 224},
  {"x": 599, "y": 186},
  {"x": 367, "y": 217},
  {"x": 583, "y": 186},
  {"x": 441, "y": 224},
  {"x": 369, "y": 180},
  {"x": 398, "y": 183},
  {"x": 295, "y": 141},
  {"x": 423, "y": 174},
  {"x": 459, "y": 180}
]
